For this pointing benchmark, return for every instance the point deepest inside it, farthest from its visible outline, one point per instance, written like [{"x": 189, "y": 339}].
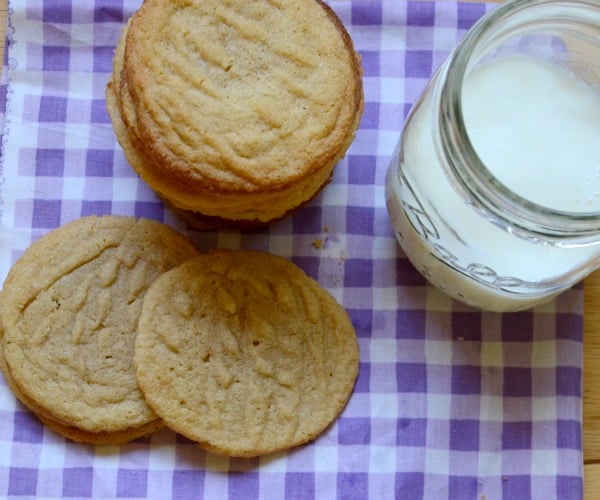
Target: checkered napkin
[{"x": 450, "y": 403}]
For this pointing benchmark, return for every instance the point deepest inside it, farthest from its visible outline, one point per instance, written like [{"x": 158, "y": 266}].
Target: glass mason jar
[{"x": 494, "y": 187}]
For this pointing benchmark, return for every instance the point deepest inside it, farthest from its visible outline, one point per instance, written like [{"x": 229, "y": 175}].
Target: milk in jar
[{"x": 500, "y": 208}]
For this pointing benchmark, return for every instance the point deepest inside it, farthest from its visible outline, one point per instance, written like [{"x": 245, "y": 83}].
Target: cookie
[
  {"x": 244, "y": 353},
  {"x": 235, "y": 111},
  {"x": 75, "y": 433},
  {"x": 69, "y": 309}
]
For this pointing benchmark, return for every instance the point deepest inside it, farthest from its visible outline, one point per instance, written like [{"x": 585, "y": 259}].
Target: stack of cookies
[
  {"x": 132, "y": 328},
  {"x": 235, "y": 112}
]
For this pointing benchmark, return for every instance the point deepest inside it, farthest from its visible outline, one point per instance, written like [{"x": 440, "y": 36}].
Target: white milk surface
[{"x": 537, "y": 128}]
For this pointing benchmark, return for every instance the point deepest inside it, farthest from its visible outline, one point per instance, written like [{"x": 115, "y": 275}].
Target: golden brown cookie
[
  {"x": 75, "y": 433},
  {"x": 236, "y": 110},
  {"x": 69, "y": 310},
  {"x": 243, "y": 353}
]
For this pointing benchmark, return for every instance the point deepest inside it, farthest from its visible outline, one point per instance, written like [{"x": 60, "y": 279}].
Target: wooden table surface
[{"x": 591, "y": 362}]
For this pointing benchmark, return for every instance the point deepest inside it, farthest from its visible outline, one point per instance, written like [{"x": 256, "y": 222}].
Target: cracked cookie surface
[
  {"x": 69, "y": 310},
  {"x": 244, "y": 353},
  {"x": 235, "y": 110}
]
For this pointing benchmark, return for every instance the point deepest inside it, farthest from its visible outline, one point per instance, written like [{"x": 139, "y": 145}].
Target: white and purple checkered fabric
[{"x": 451, "y": 403}]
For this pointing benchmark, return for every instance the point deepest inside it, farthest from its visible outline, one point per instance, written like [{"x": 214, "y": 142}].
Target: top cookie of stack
[{"x": 235, "y": 112}]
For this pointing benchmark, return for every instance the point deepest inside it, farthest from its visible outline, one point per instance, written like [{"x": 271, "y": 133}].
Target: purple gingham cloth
[{"x": 450, "y": 403}]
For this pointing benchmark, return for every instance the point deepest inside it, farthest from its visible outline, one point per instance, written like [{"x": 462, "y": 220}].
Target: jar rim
[{"x": 483, "y": 188}]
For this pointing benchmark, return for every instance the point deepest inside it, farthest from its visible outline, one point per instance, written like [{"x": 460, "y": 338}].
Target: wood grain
[
  {"x": 591, "y": 372},
  {"x": 591, "y": 481},
  {"x": 591, "y": 375}
]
